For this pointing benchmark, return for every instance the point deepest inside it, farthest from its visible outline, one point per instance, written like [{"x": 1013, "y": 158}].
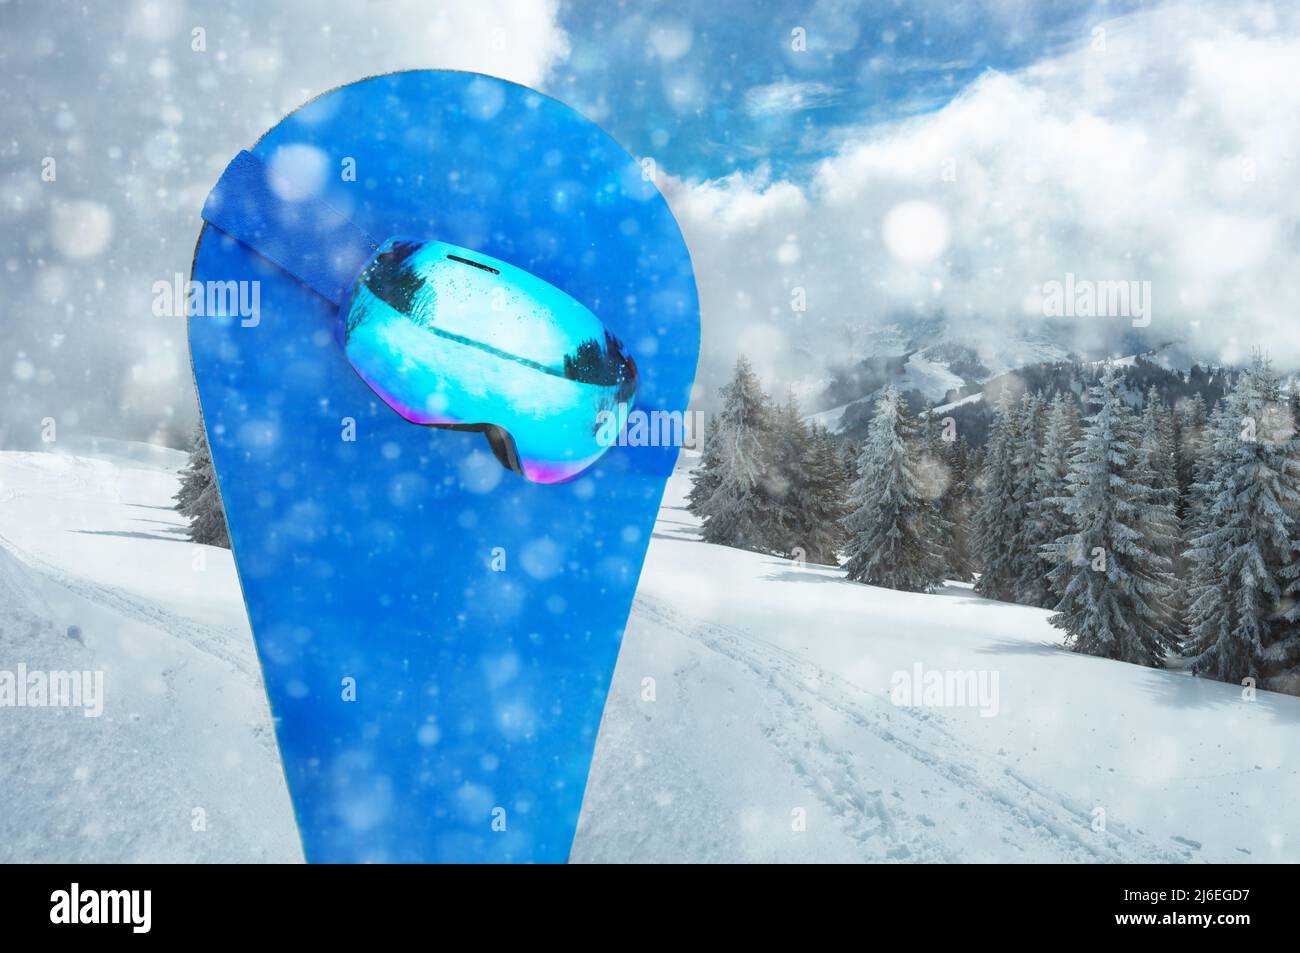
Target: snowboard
[{"x": 436, "y": 633}]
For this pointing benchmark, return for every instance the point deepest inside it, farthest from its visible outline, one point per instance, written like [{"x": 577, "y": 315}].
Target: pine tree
[
  {"x": 1157, "y": 447},
  {"x": 1031, "y": 586},
  {"x": 737, "y": 512},
  {"x": 788, "y": 449},
  {"x": 1047, "y": 511},
  {"x": 822, "y": 503},
  {"x": 1242, "y": 616},
  {"x": 1115, "y": 588},
  {"x": 1192, "y": 447},
  {"x": 1156, "y": 467},
  {"x": 945, "y": 473},
  {"x": 1000, "y": 514},
  {"x": 199, "y": 497},
  {"x": 849, "y": 452},
  {"x": 1196, "y": 504},
  {"x": 956, "y": 510},
  {"x": 705, "y": 477},
  {"x": 931, "y": 466},
  {"x": 893, "y": 526}
]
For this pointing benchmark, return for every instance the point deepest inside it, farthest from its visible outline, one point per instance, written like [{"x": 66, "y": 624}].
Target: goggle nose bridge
[{"x": 498, "y": 438}]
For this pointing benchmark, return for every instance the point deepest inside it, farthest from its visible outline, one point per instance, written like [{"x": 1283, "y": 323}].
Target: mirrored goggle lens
[{"x": 449, "y": 337}]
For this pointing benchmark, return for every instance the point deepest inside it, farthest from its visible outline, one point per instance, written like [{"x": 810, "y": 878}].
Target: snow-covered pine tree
[
  {"x": 1157, "y": 445},
  {"x": 975, "y": 457},
  {"x": 1243, "y": 613},
  {"x": 930, "y": 463},
  {"x": 893, "y": 526},
  {"x": 1031, "y": 586},
  {"x": 1047, "y": 510},
  {"x": 1193, "y": 447},
  {"x": 705, "y": 475},
  {"x": 928, "y": 429},
  {"x": 945, "y": 472},
  {"x": 1156, "y": 466},
  {"x": 1205, "y": 611},
  {"x": 822, "y": 501},
  {"x": 1115, "y": 588},
  {"x": 850, "y": 450},
  {"x": 784, "y": 482},
  {"x": 1000, "y": 514},
  {"x": 737, "y": 512},
  {"x": 1199, "y": 491},
  {"x": 956, "y": 509},
  {"x": 199, "y": 497}
]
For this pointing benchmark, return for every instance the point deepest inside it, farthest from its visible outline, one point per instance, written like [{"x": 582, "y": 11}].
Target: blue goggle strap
[{"x": 308, "y": 238}]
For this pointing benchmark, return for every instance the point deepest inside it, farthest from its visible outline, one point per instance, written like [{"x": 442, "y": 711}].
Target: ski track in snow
[
  {"x": 793, "y": 686},
  {"x": 222, "y": 645},
  {"x": 182, "y": 765}
]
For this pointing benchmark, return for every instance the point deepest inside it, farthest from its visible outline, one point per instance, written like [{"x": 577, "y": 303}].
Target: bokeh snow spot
[
  {"x": 480, "y": 472},
  {"x": 542, "y": 558},
  {"x": 297, "y": 172},
  {"x": 81, "y": 229},
  {"x": 916, "y": 232},
  {"x": 484, "y": 98}
]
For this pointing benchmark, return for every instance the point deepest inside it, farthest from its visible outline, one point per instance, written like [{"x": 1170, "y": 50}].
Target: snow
[
  {"x": 771, "y": 710},
  {"x": 968, "y": 399},
  {"x": 96, "y": 575},
  {"x": 830, "y": 419},
  {"x": 931, "y": 378},
  {"x": 1127, "y": 361},
  {"x": 772, "y": 695},
  {"x": 1004, "y": 354}
]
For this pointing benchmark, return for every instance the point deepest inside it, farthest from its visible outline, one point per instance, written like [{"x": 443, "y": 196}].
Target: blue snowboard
[{"x": 437, "y": 634}]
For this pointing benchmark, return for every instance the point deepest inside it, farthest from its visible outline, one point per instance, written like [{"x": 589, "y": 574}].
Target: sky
[
  {"x": 723, "y": 87},
  {"x": 887, "y": 161}
]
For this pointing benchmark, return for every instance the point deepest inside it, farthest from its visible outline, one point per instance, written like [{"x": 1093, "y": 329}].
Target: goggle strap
[{"x": 308, "y": 238}]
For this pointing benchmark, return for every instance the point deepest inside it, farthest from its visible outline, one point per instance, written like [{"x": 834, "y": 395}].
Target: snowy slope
[
  {"x": 771, "y": 694},
  {"x": 830, "y": 419},
  {"x": 931, "y": 379},
  {"x": 95, "y": 574},
  {"x": 964, "y": 401}
]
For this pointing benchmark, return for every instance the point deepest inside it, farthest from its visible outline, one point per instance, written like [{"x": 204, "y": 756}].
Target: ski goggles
[{"x": 445, "y": 336}]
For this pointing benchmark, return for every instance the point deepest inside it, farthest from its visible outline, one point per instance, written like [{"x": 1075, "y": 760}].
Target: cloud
[
  {"x": 788, "y": 96},
  {"x": 1163, "y": 147},
  {"x": 140, "y": 125}
]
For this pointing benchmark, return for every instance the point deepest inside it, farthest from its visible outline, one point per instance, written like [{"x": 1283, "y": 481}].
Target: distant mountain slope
[
  {"x": 972, "y": 405},
  {"x": 925, "y": 360}
]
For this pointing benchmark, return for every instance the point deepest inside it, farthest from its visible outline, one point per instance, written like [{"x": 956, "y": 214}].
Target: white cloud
[
  {"x": 141, "y": 124},
  {"x": 788, "y": 96},
  {"x": 1171, "y": 155},
  {"x": 915, "y": 232}
]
